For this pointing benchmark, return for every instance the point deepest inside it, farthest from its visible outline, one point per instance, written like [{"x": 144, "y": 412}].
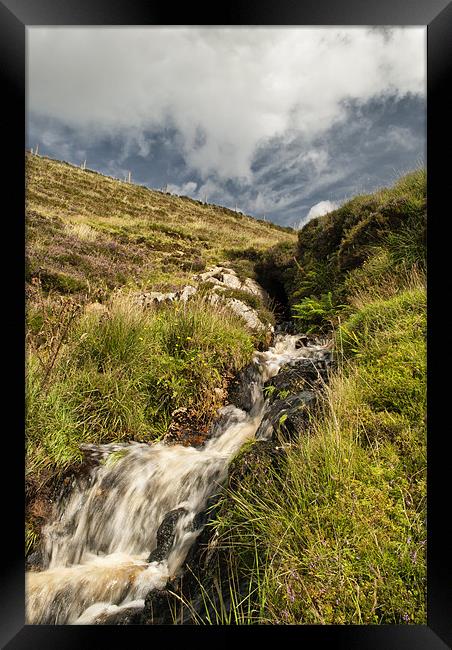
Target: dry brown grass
[{"x": 87, "y": 231}]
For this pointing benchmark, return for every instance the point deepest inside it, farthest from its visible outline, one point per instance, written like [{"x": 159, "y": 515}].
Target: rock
[
  {"x": 149, "y": 298},
  {"x": 187, "y": 292},
  {"x": 215, "y": 282},
  {"x": 231, "y": 281},
  {"x": 208, "y": 562},
  {"x": 221, "y": 278},
  {"x": 287, "y": 417},
  {"x": 299, "y": 375},
  {"x": 240, "y": 390},
  {"x": 158, "y": 608},
  {"x": 254, "y": 462},
  {"x": 155, "y": 297},
  {"x": 161, "y": 605},
  {"x": 166, "y": 534},
  {"x": 286, "y": 327},
  {"x": 214, "y": 272},
  {"x": 203, "y": 517},
  {"x": 248, "y": 314},
  {"x": 34, "y": 561},
  {"x": 127, "y": 616},
  {"x": 255, "y": 289}
]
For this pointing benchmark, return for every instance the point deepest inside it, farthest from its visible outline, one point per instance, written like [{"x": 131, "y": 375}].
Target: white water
[{"x": 96, "y": 550}]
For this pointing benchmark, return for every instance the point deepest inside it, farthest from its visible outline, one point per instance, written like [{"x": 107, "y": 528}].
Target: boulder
[
  {"x": 255, "y": 289},
  {"x": 299, "y": 375},
  {"x": 231, "y": 281},
  {"x": 240, "y": 390},
  {"x": 302, "y": 342},
  {"x": 166, "y": 534},
  {"x": 125, "y": 616},
  {"x": 286, "y": 418},
  {"x": 159, "y": 608},
  {"x": 214, "y": 272},
  {"x": 187, "y": 292},
  {"x": 248, "y": 314},
  {"x": 149, "y": 298}
]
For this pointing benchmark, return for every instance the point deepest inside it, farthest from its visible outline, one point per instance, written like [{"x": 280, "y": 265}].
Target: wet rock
[
  {"x": 240, "y": 391},
  {"x": 34, "y": 561},
  {"x": 129, "y": 616},
  {"x": 299, "y": 375},
  {"x": 166, "y": 534},
  {"x": 254, "y": 462},
  {"x": 182, "y": 595},
  {"x": 228, "y": 415},
  {"x": 286, "y": 327},
  {"x": 203, "y": 517},
  {"x": 159, "y": 608},
  {"x": 287, "y": 418}
]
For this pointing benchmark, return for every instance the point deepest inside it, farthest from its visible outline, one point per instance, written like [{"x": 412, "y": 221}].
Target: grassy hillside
[
  {"x": 89, "y": 233},
  {"x": 338, "y": 533},
  {"x": 369, "y": 244},
  {"x": 99, "y": 367}
]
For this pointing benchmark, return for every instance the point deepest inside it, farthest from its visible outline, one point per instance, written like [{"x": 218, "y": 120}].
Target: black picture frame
[{"x": 436, "y": 16}]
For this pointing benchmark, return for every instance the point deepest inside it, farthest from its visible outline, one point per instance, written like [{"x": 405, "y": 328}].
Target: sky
[{"x": 282, "y": 123}]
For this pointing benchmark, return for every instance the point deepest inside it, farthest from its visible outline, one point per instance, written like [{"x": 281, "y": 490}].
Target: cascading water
[{"x": 96, "y": 551}]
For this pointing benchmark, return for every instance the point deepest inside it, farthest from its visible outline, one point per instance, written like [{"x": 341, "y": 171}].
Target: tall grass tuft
[
  {"x": 340, "y": 526},
  {"x": 121, "y": 371}
]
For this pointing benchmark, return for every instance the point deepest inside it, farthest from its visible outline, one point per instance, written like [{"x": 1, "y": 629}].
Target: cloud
[
  {"x": 187, "y": 189},
  {"x": 225, "y": 91},
  {"x": 319, "y": 209}
]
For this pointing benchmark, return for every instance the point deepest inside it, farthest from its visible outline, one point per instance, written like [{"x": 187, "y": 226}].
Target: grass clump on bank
[
  {"x": 117, "y": 374},
  {"x": 371, "y": 243},
  {"x": 340, "y": 527},
  {"x": 122, "y": 371}
]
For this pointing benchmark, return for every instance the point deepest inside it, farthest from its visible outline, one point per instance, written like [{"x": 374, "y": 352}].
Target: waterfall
[{"x": 96, "y": 551}]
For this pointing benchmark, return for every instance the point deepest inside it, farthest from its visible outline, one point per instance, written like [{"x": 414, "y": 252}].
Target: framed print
[{"x": 227, "y": 226}]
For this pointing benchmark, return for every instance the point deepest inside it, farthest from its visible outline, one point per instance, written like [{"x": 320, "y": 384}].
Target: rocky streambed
[{"x": 129, "y": 544}]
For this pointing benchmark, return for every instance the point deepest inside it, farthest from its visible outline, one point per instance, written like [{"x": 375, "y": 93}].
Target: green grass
[
  {"x": 340, "y": 527},
  {"x": 373, "y": 243},
  {"x": 335, "y": 532},
  {"x": 118, "y": 374},
  {"x": 111, "y": 372}
]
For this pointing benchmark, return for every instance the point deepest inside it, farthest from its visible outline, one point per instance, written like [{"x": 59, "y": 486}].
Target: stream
[{"x": 99, "y": 552}]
